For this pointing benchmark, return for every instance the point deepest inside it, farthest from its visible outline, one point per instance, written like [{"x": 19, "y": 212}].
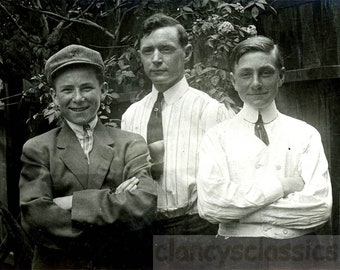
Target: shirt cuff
[{"x": 271, "y": 187}]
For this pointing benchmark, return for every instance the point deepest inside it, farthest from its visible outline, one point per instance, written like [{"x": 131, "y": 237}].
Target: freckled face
[
  {"x": 257, "y": 79},
  {"x": 78, "y": 93},
  {"x": 163, "y": 57}
]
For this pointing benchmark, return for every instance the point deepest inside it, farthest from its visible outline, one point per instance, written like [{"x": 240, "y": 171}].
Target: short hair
[
  {"x": 98, "y": 72},
  {"x": 256, "y": 44},
  {"x": 160, "y": 20}
]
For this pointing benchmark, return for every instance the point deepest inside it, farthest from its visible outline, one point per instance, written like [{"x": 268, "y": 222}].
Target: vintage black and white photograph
[{"x": 170, "y": 134}]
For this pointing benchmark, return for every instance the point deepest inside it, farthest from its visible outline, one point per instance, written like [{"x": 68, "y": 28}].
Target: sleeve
[
  {"x": 133, "y": 208},
  {"x": 310, "y": 207},
  {"x": 128, "y": 118},
  {"x": 124, "y": 123},
  {"x": 215, "y": 113},
  {"x": 220, "y": 198},
  {"x": 47, "y": 223}
]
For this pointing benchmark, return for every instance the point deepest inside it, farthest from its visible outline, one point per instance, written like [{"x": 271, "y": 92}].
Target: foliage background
[{"x": 32, "y": 30}]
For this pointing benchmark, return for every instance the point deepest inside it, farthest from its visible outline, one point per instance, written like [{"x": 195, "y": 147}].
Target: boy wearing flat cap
[{"x": 86, "y": 195}]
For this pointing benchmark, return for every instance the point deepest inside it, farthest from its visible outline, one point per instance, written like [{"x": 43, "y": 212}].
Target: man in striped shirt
[{"x": 186, "y": 114}]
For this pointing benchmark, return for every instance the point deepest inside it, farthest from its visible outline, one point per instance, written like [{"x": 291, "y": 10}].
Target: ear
[
  {"x": 139, "y": 55},
  {"x": 232, "y": 79},
  {"x": 282, "y": 76},
  {"x": 104, "y": 90},
  {"x": 53, "y": 94},
  {"x": 188, "y": 52}
]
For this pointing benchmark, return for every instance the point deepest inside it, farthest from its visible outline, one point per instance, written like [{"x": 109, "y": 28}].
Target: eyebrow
[
  {"x": 262, "y": 67},
  {"x": 81, "y": 85}
]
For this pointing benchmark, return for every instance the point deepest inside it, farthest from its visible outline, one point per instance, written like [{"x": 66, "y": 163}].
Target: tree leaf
[
  {"x": 188, "y": 9},
  {"x": 251, "y": 3},
  {"x": 113, "y": 95},
  {"x": 129, "y": 74},
  {"x": 206, "y": 70},
  {"x": 205, "y": 2},
  {"x": 255, "y": 12},
  {"x": 214, "y": 80},
  {"x": 260, "y": 6}
]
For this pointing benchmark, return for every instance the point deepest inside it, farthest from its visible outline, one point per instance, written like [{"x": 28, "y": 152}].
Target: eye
[
  {"x": 167, "y": 50},
  {"x": 66, "y": 90},
  {"x": 245, "y": 74},
  {"x": 267, "y": 73},
  {"x": 87, "y": 89},
  {"x": 147, "y": 50}
]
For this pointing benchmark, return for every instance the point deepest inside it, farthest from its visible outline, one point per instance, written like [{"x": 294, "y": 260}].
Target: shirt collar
[
  {"x": 78, "y": 129},
  {"x": 250, "y": 114},
  {"x": 174, "y": 93}
]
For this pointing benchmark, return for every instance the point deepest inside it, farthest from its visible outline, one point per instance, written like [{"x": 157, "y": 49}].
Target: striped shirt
[
  {"x": 187, "y": 114},
  {"x": 85, "y": 138}
]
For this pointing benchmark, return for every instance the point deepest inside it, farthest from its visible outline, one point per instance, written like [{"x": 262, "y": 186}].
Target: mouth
[
  {"x": 78, "y": 109},
  {"x": 258, "y": 94},
  {"x": 158, "y": 71}
]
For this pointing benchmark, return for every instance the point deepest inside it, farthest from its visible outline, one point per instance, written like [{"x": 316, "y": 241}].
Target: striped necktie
[
  {"x": 260, "y": 131},
  {"x": 87, "y": 141}
]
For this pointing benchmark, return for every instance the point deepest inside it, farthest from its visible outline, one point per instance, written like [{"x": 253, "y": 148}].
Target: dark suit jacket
[{"x": 100, "y": 223}]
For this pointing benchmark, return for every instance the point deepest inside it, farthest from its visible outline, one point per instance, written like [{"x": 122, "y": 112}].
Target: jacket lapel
[
  {"x": 101, "y": 156},
  {"x": 72, "y": 154}
]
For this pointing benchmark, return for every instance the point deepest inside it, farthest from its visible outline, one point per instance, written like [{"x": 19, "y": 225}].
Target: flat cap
[{"x": 70, "y": 55}]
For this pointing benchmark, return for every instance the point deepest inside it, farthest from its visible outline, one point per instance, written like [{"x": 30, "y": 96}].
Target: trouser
[{"x": 184, "y": 225}]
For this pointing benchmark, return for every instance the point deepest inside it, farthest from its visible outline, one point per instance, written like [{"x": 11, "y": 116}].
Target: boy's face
[
  {"x": 163, "y": 57},
  {"x": 78, "y": 94},
  {"x": 257, "y": 79}
]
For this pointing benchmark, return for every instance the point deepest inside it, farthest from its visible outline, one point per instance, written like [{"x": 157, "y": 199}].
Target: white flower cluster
[
  {"x": 225, "y": 28},
  {"x": 238, "y": 7},
  {"x": 251, "y": 29}
]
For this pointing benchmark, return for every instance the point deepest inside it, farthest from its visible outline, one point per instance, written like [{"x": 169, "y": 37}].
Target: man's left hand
[{"x": 128, "y": 185}]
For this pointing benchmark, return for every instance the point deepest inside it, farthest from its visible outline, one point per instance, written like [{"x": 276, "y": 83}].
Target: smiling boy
[{"x": 85, "y": 190}]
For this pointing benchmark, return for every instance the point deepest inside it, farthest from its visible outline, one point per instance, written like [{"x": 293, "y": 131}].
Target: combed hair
[
  {"x": 160, "y": 20},
  {"x": 256, "y": 44}
]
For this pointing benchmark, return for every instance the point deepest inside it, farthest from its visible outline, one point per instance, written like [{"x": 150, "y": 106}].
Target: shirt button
[
  {"x": 285, "y": 231},
  {"x": 278, "y": 167}
]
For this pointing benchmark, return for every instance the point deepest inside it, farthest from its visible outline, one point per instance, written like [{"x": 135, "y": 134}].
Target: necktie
[
  {"x": 260, "y": 131},
  {"x": 87, "y": 141},
  {"x": 155, "y": 128},
  {"x": 155, "y": 138}
]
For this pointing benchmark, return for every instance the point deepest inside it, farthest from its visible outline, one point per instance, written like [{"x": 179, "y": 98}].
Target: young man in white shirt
[{"x": 272, "y": 182}]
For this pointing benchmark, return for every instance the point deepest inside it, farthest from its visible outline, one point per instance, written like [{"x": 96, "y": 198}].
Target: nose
[
  {"x": 157, "y": 57},
  {"x": 77, "y": 96},
  {"x": 256, "y": 83}
]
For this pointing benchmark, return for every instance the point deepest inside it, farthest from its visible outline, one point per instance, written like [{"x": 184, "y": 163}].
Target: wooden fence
[{"x": 309, "y": 34}]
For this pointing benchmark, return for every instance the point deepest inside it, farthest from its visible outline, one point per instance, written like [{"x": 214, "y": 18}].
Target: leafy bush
[{"x": 214, "y": 26}]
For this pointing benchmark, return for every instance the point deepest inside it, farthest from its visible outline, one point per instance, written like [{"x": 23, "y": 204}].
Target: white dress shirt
[
  {"x": 239, "y": 177},
  {"x": 187, "y": 114}
]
